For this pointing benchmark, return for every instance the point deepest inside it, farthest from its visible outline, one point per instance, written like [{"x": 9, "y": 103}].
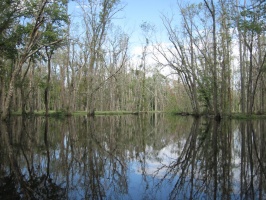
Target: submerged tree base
[
  {"x": 220, "y": 117},
  {"x": 158, "y": 157},
  {"x": 62, "y": 114}
]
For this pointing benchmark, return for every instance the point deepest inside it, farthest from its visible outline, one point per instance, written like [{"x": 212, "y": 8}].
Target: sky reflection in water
[{"x": 132, "y": 157}]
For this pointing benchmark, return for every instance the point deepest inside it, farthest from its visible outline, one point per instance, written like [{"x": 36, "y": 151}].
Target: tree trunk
[
  {"x": 8, "y": 97},
  {"x": 47, "y": 88},
  {"x": 250, "y": 99},
  {"x": 212, "y": 11}
]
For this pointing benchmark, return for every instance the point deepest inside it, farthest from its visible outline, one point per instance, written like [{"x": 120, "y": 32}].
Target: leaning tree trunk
[{"x": 7, "y": 99}]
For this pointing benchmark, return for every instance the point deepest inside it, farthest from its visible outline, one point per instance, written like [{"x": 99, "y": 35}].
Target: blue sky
[{"x": 136, "y": 12}]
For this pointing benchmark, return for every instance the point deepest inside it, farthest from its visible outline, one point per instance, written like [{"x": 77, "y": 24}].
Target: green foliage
[
  {"x": 55, "y": 28},
  {"x": 172, "y": 105},
  {"x": 251, "y": 26},
  {"x": 61, "y": 114},
  {"x": 17, "y": 22},
  {"x": 205, "y": 91},
  {"x": 253, "y": 17},
  {"x": 8, "y": 17},
  {"x": 147, "y": 27},
  {"x": 192, "y": 9},
  {"x": 106, "y": 7},
  {"x": 42, "y": 82}
]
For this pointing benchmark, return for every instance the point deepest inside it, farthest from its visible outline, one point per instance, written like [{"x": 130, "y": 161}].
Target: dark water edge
[{"x": 132, "y": 157}]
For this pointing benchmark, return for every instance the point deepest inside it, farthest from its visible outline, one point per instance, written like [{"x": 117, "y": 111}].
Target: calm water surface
[{"x": 132, "y": 157}]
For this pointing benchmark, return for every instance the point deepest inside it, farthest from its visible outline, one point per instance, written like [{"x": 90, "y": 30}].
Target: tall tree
[
  {"x": 54, "y": 33},
  {"x": 251, "y": 27},
  {"x": 29, "y": 29},
  {"x": 212, "y": 10},
  {"x": 224, "y": 53},
  {"x": 97, "y": 18},
  {"x": 29, "y": 47}
]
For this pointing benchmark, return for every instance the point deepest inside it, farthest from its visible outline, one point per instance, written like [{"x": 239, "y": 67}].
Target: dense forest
[{"x": 216, "y": 50}]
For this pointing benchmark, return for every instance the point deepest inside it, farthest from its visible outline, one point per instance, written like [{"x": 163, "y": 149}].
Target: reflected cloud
[{"x": 132, "y": 157}]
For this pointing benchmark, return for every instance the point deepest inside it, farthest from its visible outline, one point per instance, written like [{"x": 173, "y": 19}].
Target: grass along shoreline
[
  {"x": 53, "y": 113},
  {"x": 61, "y": 113}
]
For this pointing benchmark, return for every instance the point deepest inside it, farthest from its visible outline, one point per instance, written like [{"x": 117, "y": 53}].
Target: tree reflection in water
[
  {"x": 132, "y": 157},
  {"x": 217, "y": 162},
  {"x": 23, "y": 177}
]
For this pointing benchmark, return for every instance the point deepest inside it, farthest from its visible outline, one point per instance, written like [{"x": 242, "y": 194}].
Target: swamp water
[{"x": 132, "y": 157}]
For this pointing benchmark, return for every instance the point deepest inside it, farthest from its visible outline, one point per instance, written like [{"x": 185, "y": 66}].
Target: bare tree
[{"x": 97, "y": 18}]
